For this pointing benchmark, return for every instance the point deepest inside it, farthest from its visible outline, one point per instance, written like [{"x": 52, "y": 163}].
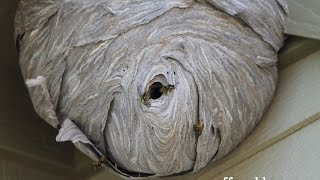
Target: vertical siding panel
[
  {"x": 304, "y": 18},
  {"x": 296, "y": 157}
]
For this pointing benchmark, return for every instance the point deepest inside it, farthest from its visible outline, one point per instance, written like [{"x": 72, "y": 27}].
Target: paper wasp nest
[{"x": 151, "y": 87}]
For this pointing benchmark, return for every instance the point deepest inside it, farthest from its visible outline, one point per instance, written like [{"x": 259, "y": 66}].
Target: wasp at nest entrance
[{"x": 155, "y": 91}]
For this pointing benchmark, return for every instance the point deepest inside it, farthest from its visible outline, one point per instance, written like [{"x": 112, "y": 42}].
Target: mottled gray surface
[{"x": 94, "y": 61}]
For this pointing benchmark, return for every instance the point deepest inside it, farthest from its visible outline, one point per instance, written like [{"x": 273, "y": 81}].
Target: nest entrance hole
[{"x": 155, "y": 90}]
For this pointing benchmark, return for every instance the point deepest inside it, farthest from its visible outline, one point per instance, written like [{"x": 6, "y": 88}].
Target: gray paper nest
[{"x": 151, "y": 87}]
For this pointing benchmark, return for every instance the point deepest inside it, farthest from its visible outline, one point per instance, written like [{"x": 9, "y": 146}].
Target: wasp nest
[{"x": 151, "y": 87}]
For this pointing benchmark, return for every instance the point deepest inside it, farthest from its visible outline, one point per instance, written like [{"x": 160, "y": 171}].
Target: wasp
[
  {"x": 166, "y": 89},
  {"x": 198, "y": 127},
  {"x": 145, "y": 97},
  {"x": 102, "y": 159}
]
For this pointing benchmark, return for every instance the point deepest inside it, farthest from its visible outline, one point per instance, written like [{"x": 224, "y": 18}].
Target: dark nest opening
[{"x": 155, "y": 90}]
